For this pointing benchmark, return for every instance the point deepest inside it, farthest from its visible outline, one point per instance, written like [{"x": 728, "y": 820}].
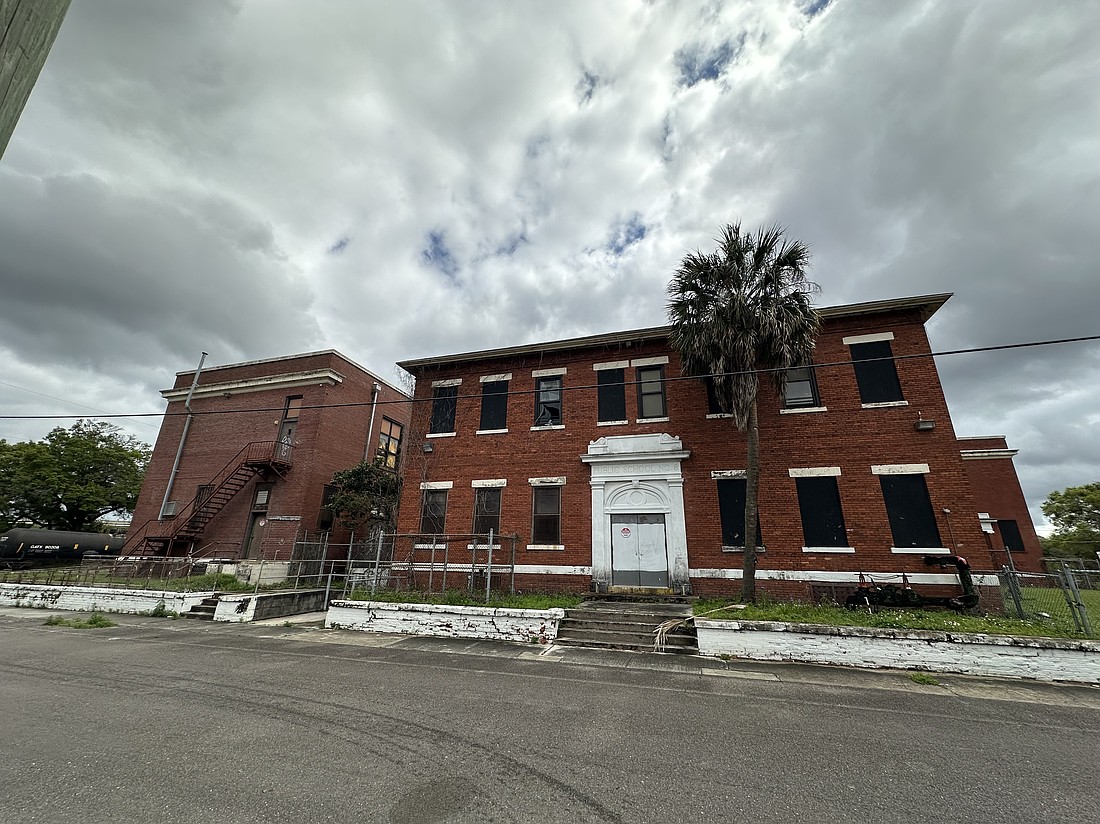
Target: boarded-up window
[
  {"x": 1010, "y": 535},
  {"x": 487, "y": 511},
  {"x": 433, "y": 512},
  {"x": 444, "y": 403},
  {"x": 819, "y": 505},
  {"x": 731, "y": 508},
  {"x": 912, "y": 521},
  {"x": 494, "y": 405},
  {"x": 611, "y": 394},
  {"x": 876, "y": 373}
]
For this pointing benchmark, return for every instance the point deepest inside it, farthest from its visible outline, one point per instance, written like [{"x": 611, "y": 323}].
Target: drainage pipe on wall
[
  {"x": 183, "y": 437},
  {"x": 370, "y": 431}
]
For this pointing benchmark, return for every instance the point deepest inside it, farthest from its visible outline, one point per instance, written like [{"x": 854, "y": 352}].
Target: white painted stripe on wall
[
  {"x": 656, "y": 361},
  {"x": 504, "y": 376},
  {"x": 448, "y": 382},
  {"x": 617, "y": 364},
  {"x": 815, "y": 472},
  {"x": 900, "y": 469},
  {"x": 824, "y": 577},
  {"x": 544, "y": 569},
  {"x": 437, "y": 484},
  {"x": 548, "y": 373},
  {"x": 489, "y": 484},
  {"x": 872, "y": 338}
]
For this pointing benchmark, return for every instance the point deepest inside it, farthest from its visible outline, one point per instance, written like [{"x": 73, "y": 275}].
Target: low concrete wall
[
  {"x": 244, "y": 608},
  {"x": 92, "y": 599},
  {"x": 523, "y": 625},
  {"x": 1043, "y": 659}
]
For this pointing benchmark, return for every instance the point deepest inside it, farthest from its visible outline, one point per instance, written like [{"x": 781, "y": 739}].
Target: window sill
[
  {"x": 429, "y": 546},
  {"x": 546, "y": 547},
  {"x": 884, "y": 404},
  {"x": 798, "y": 410},
  {"x": 491, "y": 432},
  {"x": 652, "y": 420},
  {"x": 548, "y": 427},
  {"x": 840, "y": 550},
  {"x": 759, "y": 549},
  {"x": 612, "y": 423},
  {"x": 713, "y": 416},
  {"x": 493, "y": 547},
  {"x": 920, "y": 550},
  {"x": 440, "y": 435}
]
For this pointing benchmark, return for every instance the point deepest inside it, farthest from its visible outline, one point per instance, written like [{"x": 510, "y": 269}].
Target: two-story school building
[
  {"x": 248, "y": 472},
  {"x": 615, "y": 470}
]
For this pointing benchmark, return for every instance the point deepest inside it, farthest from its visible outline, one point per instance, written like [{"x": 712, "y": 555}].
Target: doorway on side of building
[
  {"x": 257, "y": 519},
  {"x": 639, "y": 553}
]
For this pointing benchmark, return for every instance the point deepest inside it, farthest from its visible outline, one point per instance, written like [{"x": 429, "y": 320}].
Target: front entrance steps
[
  {"x": 203, "y": 611},
  {"x": 627, "y": 623}
]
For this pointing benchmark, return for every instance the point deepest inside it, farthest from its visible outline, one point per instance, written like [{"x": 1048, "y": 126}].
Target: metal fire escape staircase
[{"x": 157, "y": 537}]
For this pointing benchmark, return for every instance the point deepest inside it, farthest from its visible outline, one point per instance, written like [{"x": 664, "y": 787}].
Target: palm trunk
[{"x": 752, "y": 484}]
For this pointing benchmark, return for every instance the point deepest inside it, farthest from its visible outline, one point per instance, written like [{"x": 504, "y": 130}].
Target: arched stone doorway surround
[{"x": 638, "y": 475}]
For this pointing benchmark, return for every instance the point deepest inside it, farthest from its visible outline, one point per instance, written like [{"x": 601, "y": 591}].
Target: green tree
[
  {"x": 366, "y": 496},
  {"x": 1075, "y": 513},
  {"x": 72, "y": 478},
  {"x": 734, "y": 313}
]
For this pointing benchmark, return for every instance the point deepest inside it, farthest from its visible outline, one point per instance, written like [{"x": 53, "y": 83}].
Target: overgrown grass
[
  {"x": 1058, "y": 626},
  {"x": 460, "y": 597},
  {"x": 923, "y": 678},
  {"x": 94, "y": 621}
]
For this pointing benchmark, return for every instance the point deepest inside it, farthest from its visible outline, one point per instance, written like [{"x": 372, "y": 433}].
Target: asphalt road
[{"x": 176, "y": 721}]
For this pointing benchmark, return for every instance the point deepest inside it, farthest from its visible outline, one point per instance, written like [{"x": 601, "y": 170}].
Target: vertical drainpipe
[
  {"x": 183, "y": 437},
  {"x": 370, "y": 431}
]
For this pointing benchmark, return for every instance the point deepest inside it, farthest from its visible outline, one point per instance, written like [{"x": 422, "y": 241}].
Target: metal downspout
[
  {"x": 370, "y": 431},
  {"x": 183, "y": 437}
]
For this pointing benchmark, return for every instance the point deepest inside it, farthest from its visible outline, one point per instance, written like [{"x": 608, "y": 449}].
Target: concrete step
[
  {"x": 613, "y": 624},
  {"x": 628, "y": 641},
  {"x": 198, "y": 616}
]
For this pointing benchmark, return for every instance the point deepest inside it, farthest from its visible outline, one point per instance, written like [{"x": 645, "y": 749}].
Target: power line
[
  {"x": 563, "y": 388},
  {"x": 71, "y": 403}
]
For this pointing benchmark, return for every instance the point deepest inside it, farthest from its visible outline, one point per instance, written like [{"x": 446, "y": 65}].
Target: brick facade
[
  {"x": 840, "y": 433},
  {"x": 1000, "y": 499},
  {"x": 245, "y": 403}
]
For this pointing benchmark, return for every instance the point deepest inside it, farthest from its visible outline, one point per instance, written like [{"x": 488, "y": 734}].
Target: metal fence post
[
  {"x": 1012, "y": 584},
  {"x": 446, "y": 558},
  {"x": 377, "y": 562},
  {"x": 259, "y": 577},
  {"x": 473, "y": 565},
  {"x": 489, "y": 568},
  {"x": 1083, "y": 620}
]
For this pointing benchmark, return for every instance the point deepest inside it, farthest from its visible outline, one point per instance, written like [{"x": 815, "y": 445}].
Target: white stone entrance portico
[{"x": 637, "y": 475}]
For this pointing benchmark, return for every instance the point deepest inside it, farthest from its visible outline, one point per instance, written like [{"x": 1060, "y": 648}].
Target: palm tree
[{"x": 739, "y": 312}]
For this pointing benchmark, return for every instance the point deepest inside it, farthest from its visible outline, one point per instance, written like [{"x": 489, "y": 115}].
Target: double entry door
[{"x": 639, "y": 557}]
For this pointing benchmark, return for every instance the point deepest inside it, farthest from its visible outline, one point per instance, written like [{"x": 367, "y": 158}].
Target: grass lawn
[{"x": 1058, "y": 625}]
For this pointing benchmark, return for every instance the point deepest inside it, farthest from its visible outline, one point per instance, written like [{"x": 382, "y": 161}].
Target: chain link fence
[{"x": 1064, "y": 598}]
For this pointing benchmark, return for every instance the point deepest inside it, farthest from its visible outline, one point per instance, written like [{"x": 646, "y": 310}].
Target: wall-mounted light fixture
[
  {"x": 923, "y": 425},
  {"x": 426, "y": 448}
]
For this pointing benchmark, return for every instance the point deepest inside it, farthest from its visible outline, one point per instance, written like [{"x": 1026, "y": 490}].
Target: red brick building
[
  {"x": 1002, "y": 508},
  {"x": 615, "y": 470},
  {"x": 264, "y": 440}
]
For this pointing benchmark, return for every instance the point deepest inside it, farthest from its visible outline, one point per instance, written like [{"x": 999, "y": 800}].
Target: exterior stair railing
[{"x": 156, "y": 536}]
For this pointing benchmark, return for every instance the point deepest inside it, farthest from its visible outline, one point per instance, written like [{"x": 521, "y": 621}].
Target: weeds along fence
[
  {"x": 1064, "y": 597},
  {"x": 478, "y": 564}
]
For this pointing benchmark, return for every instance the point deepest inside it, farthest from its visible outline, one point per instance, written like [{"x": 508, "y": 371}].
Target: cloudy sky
[{"x": 394, "y": 180}]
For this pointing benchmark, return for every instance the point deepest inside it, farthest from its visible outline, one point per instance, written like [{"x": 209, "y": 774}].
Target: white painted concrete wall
[
  {"x": 91, "y": 599},
  {"x": 522, "y": 625},
  {"x": 237, "y": 609},
  {"x": 1043, "y": 659}
]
